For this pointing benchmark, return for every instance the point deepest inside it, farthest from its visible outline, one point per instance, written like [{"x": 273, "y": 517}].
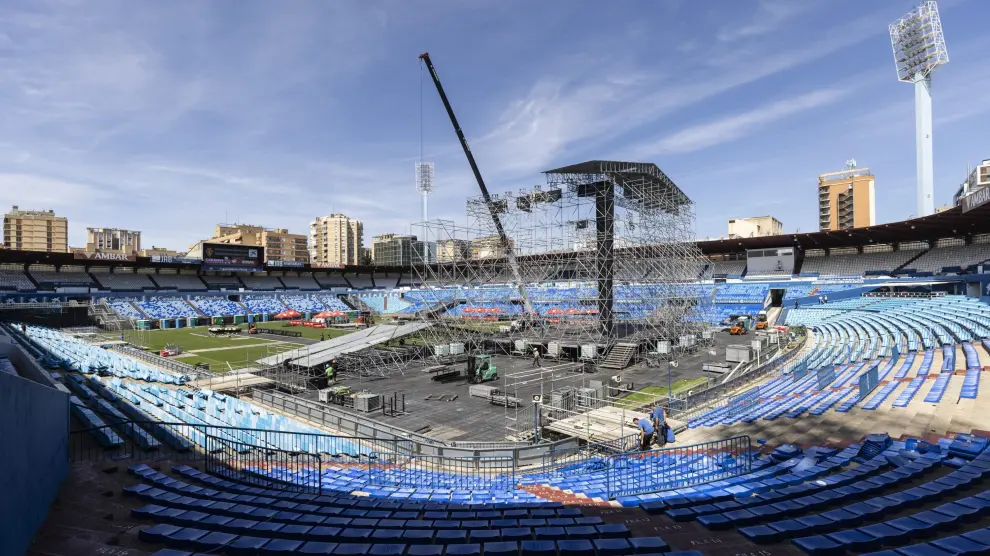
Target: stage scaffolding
[{"x": 606, "y": 254}]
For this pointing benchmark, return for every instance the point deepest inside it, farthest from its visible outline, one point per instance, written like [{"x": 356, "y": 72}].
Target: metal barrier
[
  {"x": 565, "y": 462},
  {"x": 495, "y": 474},
  {"x": 298, "y": 461},
  {"x": 267, "y": 468},
  {"x": 188, "y": 442},
  {"x": 669, "y": 468}
]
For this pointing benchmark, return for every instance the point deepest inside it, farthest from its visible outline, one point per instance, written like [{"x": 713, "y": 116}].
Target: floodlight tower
[
  {"x": 424, "y": 185},
  {"x": 919, "y": 48}
]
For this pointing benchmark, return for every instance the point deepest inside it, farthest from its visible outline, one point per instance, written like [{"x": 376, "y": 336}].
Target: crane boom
[{"x": 506, "y": 244}]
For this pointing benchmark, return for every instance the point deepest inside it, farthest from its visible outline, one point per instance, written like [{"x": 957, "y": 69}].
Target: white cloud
[
  {"x": 731, "y": 128},
  {"x": 770, "y": 16}
]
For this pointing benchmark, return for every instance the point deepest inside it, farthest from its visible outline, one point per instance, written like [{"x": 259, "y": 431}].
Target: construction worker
[
  {"x": 659, "y": 421},
  {"x": 646, "y": 431},
  {"x": 321, "y": 337},
  {"x": 536, "y": 358},
  {"x": 331, "y": 374}
]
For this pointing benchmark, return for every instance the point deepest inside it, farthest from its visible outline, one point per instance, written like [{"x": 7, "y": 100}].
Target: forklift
[
  {"x": 738, "y": 327},
  {"x": 480, "y": 368},
  {"x": 761, "y": 321}
]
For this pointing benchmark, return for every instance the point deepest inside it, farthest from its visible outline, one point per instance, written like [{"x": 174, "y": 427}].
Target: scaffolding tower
[{"x": 606, "y": 255}]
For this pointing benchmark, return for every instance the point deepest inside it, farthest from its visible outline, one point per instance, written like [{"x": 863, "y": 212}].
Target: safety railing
[
  {"x": 267, "y": 468},
  {"x": 493, "y": 474},
  {"x": 151, "y": 440},
  {"x": 564, "y": 462},
  {"x": 670, "y": 468}
]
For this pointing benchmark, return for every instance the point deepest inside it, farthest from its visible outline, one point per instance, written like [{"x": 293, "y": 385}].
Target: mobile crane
[{"x": 503, "y": 238}]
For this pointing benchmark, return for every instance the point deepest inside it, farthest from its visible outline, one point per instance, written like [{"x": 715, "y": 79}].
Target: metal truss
[{"x": 605, "y": 251}]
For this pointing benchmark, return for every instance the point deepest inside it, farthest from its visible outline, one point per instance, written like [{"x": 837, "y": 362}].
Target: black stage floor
[{"x": 472, "y": 418}]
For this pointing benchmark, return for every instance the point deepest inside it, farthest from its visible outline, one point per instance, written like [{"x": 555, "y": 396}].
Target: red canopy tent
[
  {"x": 323, "y": 315},
  {"x": 555, "y": 311}
]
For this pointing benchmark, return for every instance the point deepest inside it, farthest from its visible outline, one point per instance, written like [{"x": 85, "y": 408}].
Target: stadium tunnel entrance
[{"x": 777, "y": 297}]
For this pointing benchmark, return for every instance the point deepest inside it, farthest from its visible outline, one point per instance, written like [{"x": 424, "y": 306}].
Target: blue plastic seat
[
  {"x": 613, "y": 531},
  {"x": 387, "y": 549},
  {"x": 184, "y": 537},
  {"x": 818, "y": 545},
  {"x": 500, "y": 548},
  {"x": 425, "y": 550},
  {"x": 213, "y": 541},
  {"x": 245, "y": 545},
  {"x": 961, "y": 545},
  {"x": 924, "y": 549},
  {"x": 648, "y": 545},
  {"x": 582, "y": 547},
  {"x": 279, "y": 547},
  {"x": 854, "y": 540},
  {"x": 538, "y": 548},
  {"x": 451, "y": 536},
  {"x": 612, "y": 547},
  {"x": 352, "y": 549},
  {"x": 417, "y": 536},
  {"x": 316, "y": 547},
  {"x": 465, "y": 549},
  {"x": 581, "y": 532},
  {"x": 156, "y": 533},
  {"x": 485, "y": 535}
]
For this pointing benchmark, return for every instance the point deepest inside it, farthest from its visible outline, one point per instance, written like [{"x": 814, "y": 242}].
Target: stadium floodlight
[
  {"x": 424, "y": 186},
  {"x": 919, "y": 48}
]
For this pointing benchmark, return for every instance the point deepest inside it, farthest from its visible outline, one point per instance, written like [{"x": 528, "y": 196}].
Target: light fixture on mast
[{"x": 919, "y": 48}]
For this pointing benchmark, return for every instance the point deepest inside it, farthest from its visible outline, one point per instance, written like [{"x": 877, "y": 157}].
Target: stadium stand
[
  {"x": 125, "y": 308},
  {"x": 303, "y": 303},
  {"x": 387, "y": 280},
  {"x": 306, "y": 283},
  {"x": 16, "y": 280},
  {"x": 261, "y": 282},
  {"x": 181, "y": 282},
  {"x": 953, "y": 258},
  {"x": 263, "y": 304},
  {"x": 728, "y": 269},
  {"x": 385, "y": 303},
  {"x": 217, "y": 306},
  {"x": 124, "y": 282},
  {"x": 227, "y": 282},
  {"x": 857, "y": 264},
  {"x": 333, "y": 303},
  {"x": 360, "y": 281},
  {"x": 167, "y": 308},
  {"x": 331, "y": 280},
  {"x": 52, "y": 278},
  {"x": 770, "y": 274}
]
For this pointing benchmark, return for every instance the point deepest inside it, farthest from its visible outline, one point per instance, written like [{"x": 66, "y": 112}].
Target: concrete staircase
[
  {"x": 195, "y": 308},
  {"x": 619, "y": 356},
  {"x": 110, "y": 320}
]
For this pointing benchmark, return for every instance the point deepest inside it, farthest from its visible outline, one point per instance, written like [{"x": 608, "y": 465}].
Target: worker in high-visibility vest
[{"x": 331, "y": 375}]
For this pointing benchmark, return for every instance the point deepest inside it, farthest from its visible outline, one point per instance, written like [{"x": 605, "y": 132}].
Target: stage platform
[
  {"x": 234, "y": 380},
  {"x": 320, "y": 353}
]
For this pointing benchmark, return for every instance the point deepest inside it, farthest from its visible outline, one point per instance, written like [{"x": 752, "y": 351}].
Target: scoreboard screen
[{"x": 222, "y": 254}]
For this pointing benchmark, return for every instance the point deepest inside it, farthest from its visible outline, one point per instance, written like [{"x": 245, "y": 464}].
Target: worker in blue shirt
[
  {"x": 645, "y": 432},
  {"x": 659, "y": 422}
]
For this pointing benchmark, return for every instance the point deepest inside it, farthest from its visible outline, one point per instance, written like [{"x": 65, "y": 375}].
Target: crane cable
[{"x": 421, "y": 111}]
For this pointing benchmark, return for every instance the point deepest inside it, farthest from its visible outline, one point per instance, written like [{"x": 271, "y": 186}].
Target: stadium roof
[{"x": 951, "y": 223}]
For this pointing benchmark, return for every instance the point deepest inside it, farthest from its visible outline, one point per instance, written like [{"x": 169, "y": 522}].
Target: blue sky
[{"x": 169, "y": 117}]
